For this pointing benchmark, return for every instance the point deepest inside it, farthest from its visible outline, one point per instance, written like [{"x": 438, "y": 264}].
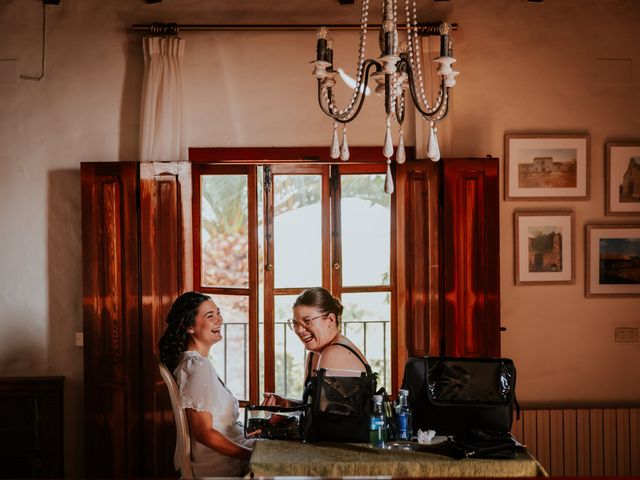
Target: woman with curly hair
[
  {"x": 218, "y": 446},
  {"x": 316, "y": 321}
]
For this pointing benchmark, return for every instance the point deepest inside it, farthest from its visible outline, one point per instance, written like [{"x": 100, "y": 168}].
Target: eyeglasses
[{"x": 305, "y": 322}]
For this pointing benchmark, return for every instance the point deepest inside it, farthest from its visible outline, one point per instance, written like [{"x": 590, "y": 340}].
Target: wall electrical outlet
[
  {"x": 627, "y": 334},
  {"x": 79, "y": 339}
]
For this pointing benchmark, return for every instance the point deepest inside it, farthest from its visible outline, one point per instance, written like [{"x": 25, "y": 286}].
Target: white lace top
[{"x": 201, "y": 389}]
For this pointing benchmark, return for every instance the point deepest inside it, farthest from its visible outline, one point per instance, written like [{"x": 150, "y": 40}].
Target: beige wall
[{"x": 525, "y": 67}]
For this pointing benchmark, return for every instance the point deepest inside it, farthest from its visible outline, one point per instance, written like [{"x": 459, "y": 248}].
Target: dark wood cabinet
[
  {"x": 134, "y": 233},
  {"x": 31, "y": 427}
]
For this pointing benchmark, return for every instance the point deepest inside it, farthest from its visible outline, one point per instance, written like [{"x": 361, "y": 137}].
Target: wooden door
[{"x": 470, "y": 260}]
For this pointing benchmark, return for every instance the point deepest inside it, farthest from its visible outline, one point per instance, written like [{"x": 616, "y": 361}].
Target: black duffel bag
[{"x": 454, "y": 395}]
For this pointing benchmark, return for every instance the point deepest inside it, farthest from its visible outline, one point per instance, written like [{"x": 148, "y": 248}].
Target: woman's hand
[{"x": 272, "y": 399}]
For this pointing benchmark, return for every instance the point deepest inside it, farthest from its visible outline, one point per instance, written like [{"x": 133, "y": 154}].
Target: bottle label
[
  {"x": 376, "y": 423},
  {"x": 402, "y": 423},
  {"x": 377, "y": 431}
]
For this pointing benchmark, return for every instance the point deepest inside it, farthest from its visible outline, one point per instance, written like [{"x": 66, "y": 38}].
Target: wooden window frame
[{"x": 302, "y": 159}]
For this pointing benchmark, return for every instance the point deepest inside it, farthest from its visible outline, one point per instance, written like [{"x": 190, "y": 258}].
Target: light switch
[
  {"x": 79, "y": 339},
  {"x": 626, "y": 335}
]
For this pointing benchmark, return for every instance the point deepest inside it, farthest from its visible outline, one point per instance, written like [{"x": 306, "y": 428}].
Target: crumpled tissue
[{"x": 426, "y": 437}]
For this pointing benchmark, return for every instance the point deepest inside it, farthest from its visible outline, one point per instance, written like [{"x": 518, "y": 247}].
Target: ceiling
[{"x": 270, "y": 12}]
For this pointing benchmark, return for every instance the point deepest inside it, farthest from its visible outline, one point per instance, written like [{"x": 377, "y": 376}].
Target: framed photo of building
[
  {"x": 546, "y": 167},
  {"x": 613, "y": 261},
  {"x": 544, "y": 248},
  {"x": 622, "y": 179}
]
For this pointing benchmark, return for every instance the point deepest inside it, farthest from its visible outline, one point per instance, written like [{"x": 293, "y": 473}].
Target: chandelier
[{"x": 397, "y": 70}]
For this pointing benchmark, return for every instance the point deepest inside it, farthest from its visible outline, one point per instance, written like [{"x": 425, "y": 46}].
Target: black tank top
[{"x": 366, "y": 365}]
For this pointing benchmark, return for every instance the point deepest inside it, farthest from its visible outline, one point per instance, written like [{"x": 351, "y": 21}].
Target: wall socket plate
[{"x": 626, "y": 334}]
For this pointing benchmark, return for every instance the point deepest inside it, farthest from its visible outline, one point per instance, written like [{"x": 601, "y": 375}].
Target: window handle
[{"x": 336, "y": 266}]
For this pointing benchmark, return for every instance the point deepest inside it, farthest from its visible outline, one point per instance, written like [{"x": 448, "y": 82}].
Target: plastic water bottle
[
  {"x": 377, "y": 431},
  {"x": 404, "y": 427}
]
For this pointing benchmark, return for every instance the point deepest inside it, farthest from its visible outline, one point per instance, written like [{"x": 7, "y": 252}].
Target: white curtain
[{"x": 161, "y": 131}]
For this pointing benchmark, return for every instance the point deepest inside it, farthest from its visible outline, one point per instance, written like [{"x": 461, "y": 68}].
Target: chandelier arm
[
  {"x": 442, "y": 113},
  {"x": 336, "y": 116},
  {"x": 351, "y": 114},
  {"x": 443, "y": 98}
]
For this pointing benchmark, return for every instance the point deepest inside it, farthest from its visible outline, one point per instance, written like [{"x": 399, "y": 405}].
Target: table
[{"x": 273, "y": 458}]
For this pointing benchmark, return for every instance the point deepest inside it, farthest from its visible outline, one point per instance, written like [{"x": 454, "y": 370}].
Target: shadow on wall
[
  {"x": 129, "y": 149},
  {"x": 21, "y": 355},
  {"x": 64, "y": 245}
]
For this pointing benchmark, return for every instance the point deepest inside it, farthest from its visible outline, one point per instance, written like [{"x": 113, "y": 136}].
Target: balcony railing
[{"x": 370, "y": 336}]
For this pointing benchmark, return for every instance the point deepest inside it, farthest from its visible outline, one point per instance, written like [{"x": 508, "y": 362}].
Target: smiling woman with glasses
[{"x": 316, "y": 321}]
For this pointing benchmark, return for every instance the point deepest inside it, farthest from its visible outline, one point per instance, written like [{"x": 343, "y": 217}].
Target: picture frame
[
  {"x": 547, "y": 167},
  {"x": 612, "y": 260},
  {"x": 622, "y": 178},
  {"x": 544, "y": 248}
]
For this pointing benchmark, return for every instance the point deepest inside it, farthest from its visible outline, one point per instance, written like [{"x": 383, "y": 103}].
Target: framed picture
[
  {"x": 544, "y": 248},
  {"x": 613, "y": 260},
  {"x": 546, "y": 167},
  {"x": 622, "y": 180}
]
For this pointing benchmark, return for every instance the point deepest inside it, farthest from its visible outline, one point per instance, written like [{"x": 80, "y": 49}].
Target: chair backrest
[{"x": 182, "y": 456}]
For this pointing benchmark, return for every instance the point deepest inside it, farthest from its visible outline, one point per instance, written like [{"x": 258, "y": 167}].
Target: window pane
[
  {"x": 230, "y": 356},
  {"x": 224, "y": 228},
  {"x": 297, "y": 231},
  {"x": 289, "y": 351},
  {"x": 366, "y": 322},
  {"x": 366, "y": 225}
]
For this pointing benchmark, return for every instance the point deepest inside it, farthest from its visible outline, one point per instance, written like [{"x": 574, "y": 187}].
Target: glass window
[
  {"x": 290, "y": 210},
  {"x": 365, "y": 230},
  {"x": 297, "y": 230},
  {"x": 230, "y": 356},
  {"x": 224, "y": 231},
  {"x": 366, "y": 322}
]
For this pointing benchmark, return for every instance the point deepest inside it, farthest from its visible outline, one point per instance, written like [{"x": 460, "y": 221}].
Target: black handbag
[
  {"x": 455, "y": 395},
  {"x": 339, "y": 407}
]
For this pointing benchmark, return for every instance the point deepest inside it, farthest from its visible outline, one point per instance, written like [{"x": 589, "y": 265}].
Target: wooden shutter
[
  {"x": 470, "y": 257},
  {"x": 111, "y": 319}
]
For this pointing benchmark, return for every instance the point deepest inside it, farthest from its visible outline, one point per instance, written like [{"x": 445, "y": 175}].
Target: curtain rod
[{"x": 424, "y": 29}]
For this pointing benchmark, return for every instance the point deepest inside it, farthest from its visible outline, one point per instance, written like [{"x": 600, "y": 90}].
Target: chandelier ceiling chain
[{"x": 396, "y": 71}]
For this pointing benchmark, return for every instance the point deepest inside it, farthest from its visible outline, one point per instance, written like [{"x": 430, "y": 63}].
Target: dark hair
[
  {"x": 322, "y": 299},
  {"x": 181, "y": 317}
]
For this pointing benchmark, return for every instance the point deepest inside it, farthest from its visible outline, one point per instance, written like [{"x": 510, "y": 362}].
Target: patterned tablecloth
[{"x": 273, "y": 458}]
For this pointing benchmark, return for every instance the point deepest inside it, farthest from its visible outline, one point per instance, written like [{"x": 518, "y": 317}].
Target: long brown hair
[{"x": 181, "y": 317}]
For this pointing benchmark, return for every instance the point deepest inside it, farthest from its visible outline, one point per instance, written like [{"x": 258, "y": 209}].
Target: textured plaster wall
[{"x": 525, "y": 67}]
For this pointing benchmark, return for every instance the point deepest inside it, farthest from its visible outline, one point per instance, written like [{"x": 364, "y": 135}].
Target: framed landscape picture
[
  {"x": 546, "y": 167},
  {"x": 544, "y": 248},
  {"x": 613, "y": 260},
  {"x": 622, "y": 179}
]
